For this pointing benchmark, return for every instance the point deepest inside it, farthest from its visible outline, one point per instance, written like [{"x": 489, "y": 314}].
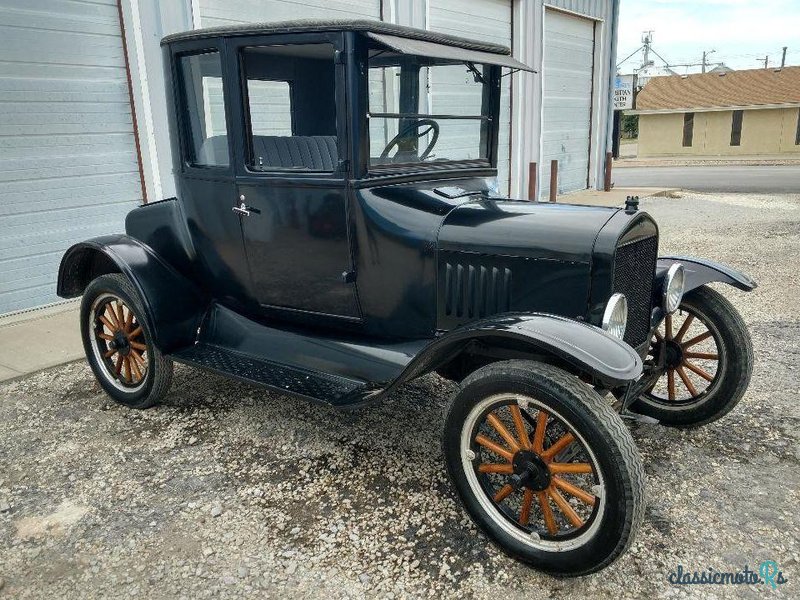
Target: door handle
[{"x": 242, "y": 209}]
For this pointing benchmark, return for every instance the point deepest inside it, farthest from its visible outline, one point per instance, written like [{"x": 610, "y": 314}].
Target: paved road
[{"x": 750, "y": 179}]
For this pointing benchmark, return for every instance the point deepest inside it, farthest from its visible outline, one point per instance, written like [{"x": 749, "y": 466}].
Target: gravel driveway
[{"x": 233, "y": 491}]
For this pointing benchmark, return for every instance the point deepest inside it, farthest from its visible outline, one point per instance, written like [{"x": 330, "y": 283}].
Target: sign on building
[{"x": 623, "y": 92}]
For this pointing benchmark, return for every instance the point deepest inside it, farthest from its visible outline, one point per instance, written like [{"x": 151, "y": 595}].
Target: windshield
[{"x": 424, "y": 110}]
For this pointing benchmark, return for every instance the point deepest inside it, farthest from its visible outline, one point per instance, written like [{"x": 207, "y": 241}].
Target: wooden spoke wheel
[
  {"x": 544, "y": 466},
  {"x": 118, "y": 343},
  {"x": 707, "y": 362},
  {"x": 690, "y": 347},
  {"x": 534, "y": 469},
  {"x": 120, "y": 339}
]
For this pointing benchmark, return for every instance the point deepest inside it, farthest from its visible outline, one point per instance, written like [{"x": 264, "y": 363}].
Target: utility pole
[
  {"x": 783, "y": 57},
  {"x": 706, "y": 53}
]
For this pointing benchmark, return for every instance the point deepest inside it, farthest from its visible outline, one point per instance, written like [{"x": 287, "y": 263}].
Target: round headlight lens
[
  {"x": 615, "y": 317},
  {"x": 674, "y": 283}
]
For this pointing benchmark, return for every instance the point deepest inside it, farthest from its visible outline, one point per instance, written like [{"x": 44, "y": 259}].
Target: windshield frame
[{"x": 490, "y": 117}]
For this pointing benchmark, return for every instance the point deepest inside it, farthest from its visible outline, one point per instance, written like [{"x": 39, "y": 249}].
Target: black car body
[{"x": 314, "y": 264}]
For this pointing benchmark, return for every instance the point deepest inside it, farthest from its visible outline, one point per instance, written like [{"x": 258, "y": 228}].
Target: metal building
[{"x": 83, "y": 135}]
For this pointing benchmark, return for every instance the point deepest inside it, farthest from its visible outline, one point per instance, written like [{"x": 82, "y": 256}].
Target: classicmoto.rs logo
[{"x": 767, "y": 574}]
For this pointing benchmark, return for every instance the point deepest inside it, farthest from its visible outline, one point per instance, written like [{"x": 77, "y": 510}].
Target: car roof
[{"x": 314, "y": 25}]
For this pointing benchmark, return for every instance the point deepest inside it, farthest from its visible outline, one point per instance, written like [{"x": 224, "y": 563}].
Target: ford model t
[{"x": 338, "y": 232}]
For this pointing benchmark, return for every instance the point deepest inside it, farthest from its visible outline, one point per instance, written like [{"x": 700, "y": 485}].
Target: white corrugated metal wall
[
  {"x": 485, "y": 20},
  {"x": 229, "y": 12},
  {"x": 68, "y": 168},
  {"x": 67, "y": 163},
  {"x": 530, "y": 46},
  {"x": 568, "y": 73}
]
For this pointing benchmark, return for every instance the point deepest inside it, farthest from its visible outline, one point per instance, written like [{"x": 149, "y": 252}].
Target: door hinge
[{"x": 349, "y": 277}]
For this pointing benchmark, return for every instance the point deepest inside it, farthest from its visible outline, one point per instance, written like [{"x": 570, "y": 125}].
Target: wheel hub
[
  {"x": 530, "y": 471},
  {"x": 673, "y": 356},
  {"x": 120, "y": 343}
]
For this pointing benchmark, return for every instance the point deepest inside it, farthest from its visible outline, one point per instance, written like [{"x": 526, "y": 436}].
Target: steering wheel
[{"x": 408, "y": 130}]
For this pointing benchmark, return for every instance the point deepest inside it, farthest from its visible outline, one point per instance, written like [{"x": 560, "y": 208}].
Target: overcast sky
[{"x": 741, "y": 31}]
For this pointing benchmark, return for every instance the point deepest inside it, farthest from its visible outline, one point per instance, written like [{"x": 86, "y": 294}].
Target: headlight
[
  {"x": 615, "y": 317},
  {"x": 673, "y": 288}
]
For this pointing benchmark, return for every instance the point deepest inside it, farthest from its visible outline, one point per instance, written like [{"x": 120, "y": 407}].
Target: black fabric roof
[{"x": 314, "y": 25}]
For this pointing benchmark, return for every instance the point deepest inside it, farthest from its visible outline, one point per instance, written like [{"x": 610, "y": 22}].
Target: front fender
[
  {"x": 173, "y": 305},
  {"x": 700, "y": 271},
  {"x": 586, "y": 348}
]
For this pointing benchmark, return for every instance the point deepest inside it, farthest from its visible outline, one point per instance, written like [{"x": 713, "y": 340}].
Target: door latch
[{"x": 242, "y": 209}]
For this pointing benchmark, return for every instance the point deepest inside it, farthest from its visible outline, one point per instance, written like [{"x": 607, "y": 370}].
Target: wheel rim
[
  {"x": 118, "y": 342},
  {"x": 694, "y": 358},
  {"x": 532, "y": 472}
]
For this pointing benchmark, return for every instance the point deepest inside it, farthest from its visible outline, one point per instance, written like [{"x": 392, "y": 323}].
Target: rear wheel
[
  {"x": 709, "y": 360},
  {"x": 119, "y": 344},
  {"x": 544, "y": 467}
]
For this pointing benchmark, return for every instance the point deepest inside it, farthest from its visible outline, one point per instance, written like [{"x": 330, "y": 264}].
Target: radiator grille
[
  {"x": 475, "y": 291},
  {"x": 634, "y": 270}
]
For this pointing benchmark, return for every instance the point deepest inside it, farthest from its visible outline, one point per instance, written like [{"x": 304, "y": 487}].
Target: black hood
[
  {"x": 496, "y": 256},
  {"x": 524, "y": 229}
]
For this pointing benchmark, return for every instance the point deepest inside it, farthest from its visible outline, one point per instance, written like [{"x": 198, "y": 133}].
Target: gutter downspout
[
  {"x": 612, "y": 73},
  {"x": 139, "y": 161}
]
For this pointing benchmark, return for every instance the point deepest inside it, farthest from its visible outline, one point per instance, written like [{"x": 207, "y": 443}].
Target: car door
[
  {"x": 205, "y": 175},
  {"x": 291, "y": 183}
]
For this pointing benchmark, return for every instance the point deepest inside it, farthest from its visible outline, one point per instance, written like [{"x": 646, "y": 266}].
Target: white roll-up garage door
[
  {"x": 68, "y": 168},
  {"x": 214, "y": 13},
  {"x": 490, "y": 21},
  {"x": 567, "y": 100}
]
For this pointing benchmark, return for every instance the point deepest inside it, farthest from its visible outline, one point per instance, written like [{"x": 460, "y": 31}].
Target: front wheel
[
  {"x": 544, "y": 467},
  {"x": 119, "y": 343},
  {"x": 708, "y": 359}
]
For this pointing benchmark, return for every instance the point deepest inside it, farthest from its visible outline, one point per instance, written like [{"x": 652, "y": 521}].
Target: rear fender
[
  {"x": 586, "y": 349},
  {"x": 173, "y": 305},
  {"x": 700, "y": 271}
]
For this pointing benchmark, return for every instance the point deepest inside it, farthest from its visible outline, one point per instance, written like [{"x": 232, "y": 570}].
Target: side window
[
  {"x": 688, "y": 129},
  {"x": 291, "y": 107},
  {"x": 204, "y": 110},
  {"x": 736, "y": 127}
]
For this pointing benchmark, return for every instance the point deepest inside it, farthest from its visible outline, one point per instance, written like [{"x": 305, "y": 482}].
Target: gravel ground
[{"x": 232, "y": 491}]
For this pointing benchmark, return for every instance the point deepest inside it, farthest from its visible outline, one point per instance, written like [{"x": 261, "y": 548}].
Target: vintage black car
[{"x": 338, "y": 232}]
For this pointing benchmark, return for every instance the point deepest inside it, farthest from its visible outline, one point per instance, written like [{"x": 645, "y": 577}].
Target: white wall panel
[
  {"x": 486, "y": 20},
  {"x": 228, "y": 12},
  {"x": 68, "y": 168},
  {"x": 567, "y": 78}
]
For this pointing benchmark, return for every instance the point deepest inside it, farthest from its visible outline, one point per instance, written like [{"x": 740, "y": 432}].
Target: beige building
[{"x": 751, "y": 112}]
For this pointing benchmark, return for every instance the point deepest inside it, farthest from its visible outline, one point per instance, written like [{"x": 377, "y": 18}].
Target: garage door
[
  {"x": 214, "y": 13},
  {"x": 567, "y": 100},
  {"x": 490, "y": 21},
  {"x": 68, "y": 168}
]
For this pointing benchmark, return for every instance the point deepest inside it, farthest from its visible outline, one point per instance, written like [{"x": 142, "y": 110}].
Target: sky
[{"x": 741, "y": 32}]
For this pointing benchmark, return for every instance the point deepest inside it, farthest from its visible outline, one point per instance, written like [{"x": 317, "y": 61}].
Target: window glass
[
  {"x": 270, "y": 107},
  {"x": 204, "y": 110},
  {"x": 426, "y": 111},
  {"x": 688, "y": 129},
  {"x": 291, "y": 107},
  {"x": 797, "y": 133},
  {"x": 736, "y": 127}
]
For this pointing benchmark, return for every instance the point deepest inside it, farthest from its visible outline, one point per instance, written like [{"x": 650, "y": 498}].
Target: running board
[{"x": 331, "y": 389}]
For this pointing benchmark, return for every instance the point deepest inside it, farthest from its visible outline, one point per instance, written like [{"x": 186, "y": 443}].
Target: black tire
[
  {"x": 734, "y": 366},
  {"x": 618, "y": 501},
  {"x": 155, "y": 381}
]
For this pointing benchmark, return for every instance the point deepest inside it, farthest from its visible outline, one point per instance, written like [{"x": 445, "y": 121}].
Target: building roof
[
  {"x": 751, "y": 87},
  {"x": 315, "y": 25}
]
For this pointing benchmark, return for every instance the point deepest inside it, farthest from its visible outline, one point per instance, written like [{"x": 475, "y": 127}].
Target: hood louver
[{"x": 473, "y": 291}]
